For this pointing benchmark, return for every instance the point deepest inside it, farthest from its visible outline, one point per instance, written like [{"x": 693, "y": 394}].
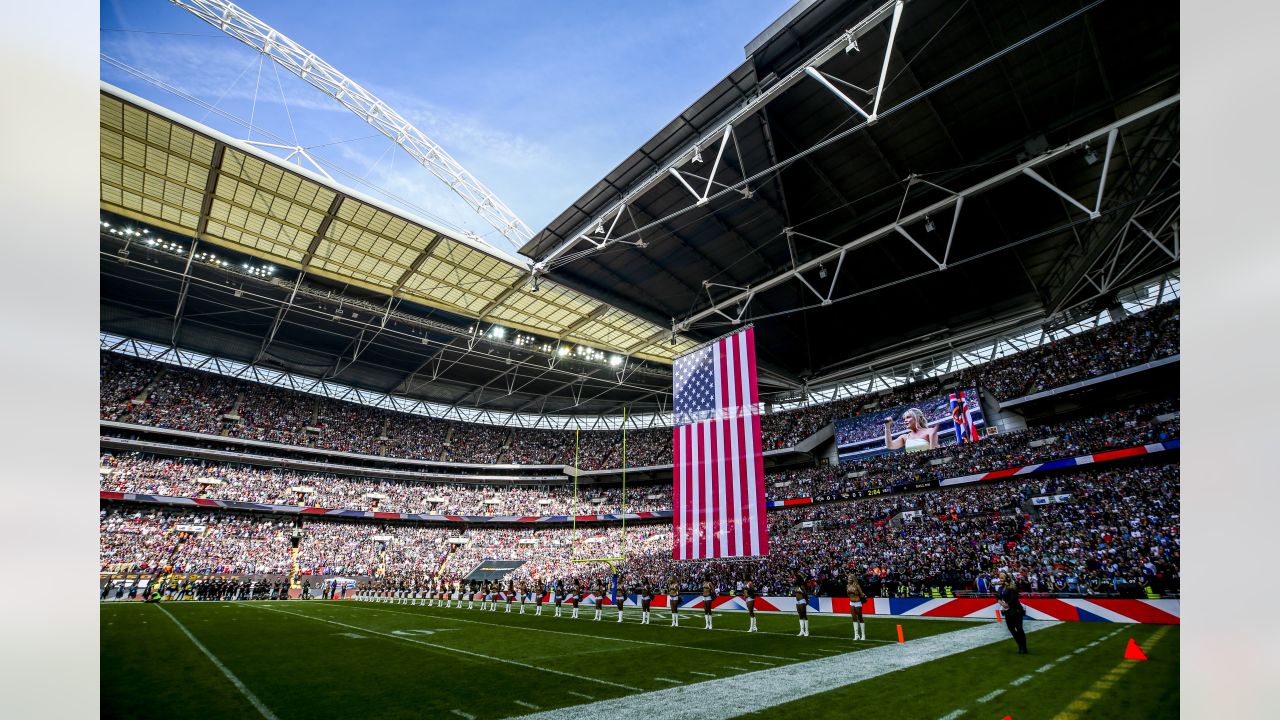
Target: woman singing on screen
[{"x": 919, "y": 436}]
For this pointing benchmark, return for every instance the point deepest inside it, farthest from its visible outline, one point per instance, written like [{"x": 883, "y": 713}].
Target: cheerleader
[
  {"x": 557, "y": 597},
  {"x": 856, "y": 598},
  {"x": 708, "y": 594},
  {"x": 538, "y": 590},
  {"x": 646, "y": 597},
  {"x": 749, "y": 597},
  {"x": 673, "y": 601},
  {"x": 575, "y": 597},
  {"x": 802, "y": 607},
  {"x": 600, "y": 593}
]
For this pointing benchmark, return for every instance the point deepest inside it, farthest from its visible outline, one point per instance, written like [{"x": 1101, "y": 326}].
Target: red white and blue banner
[
  {"x": 1079, "y": 461},
  {"x": 719, "y": 498}
]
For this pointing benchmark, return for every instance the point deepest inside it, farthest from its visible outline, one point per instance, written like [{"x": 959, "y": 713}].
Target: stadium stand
[
  {"x": 1118, "y": 527},
  {"x": 148, "y": 393}
]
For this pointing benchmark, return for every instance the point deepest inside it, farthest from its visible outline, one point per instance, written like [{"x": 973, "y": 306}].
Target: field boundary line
[
  {"x": 246, "y": 692},
  {"x": 763, "y": 689},
  {"x": 449, "y": 649}
]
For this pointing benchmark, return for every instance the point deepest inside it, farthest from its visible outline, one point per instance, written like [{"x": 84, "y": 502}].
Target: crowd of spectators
[
  {"x": 1140, "y": 338},
  {"x": 1122, "y": 428},
  {"x": 175, "y": 477},
  {"x": 142, "y": 542},
  {"x": 1117, "y": 527},
  {"x": 148, "y": 393}
]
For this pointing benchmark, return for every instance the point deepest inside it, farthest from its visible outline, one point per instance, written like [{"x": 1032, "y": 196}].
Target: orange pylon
[
  {"x": 1133, "y": 652},
  {"x": 900, "y": 638}
]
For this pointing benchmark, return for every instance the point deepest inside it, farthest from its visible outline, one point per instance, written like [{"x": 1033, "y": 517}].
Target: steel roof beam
[{"x": 880, "y": 233}]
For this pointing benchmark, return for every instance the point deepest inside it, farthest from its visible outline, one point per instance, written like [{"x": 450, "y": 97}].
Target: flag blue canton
[{"x": 695, "y": 396}]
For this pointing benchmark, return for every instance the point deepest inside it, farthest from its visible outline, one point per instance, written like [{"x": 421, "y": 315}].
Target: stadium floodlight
[{"x": 615, "y": 360}]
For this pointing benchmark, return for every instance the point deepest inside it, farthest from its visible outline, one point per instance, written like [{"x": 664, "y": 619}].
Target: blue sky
[{"x": 538, "y": 100}]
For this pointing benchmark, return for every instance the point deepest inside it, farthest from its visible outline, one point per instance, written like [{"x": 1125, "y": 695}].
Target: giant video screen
[{"x": 953, "y": 417}]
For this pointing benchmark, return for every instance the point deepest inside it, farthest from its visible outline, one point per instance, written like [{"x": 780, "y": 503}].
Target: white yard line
[
  {"x": 578, "y": 694},
  {"x": 529, "y": 705},
  {"x": 449, "y": 649},
  {"x": 1046, "y": 668},
  {"x": 952, "y": 715},
  {"x": 669, "y": 680},
  {"x": 991, "y": 696},
  {"x": 757, "y": 691},
  {"x": 430, "y": 616},
  {"x": 695, "y": 672},
  {"x": 253, "y": 699},
  {"x": 1020, "y": 680},
  {"x": 459, "y": 713}
]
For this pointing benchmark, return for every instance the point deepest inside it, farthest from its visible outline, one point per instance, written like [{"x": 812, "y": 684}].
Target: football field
[{"x": 377, "y": 660}]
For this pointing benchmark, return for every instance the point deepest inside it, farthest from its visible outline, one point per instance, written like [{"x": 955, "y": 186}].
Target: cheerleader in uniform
[
  {"x": 802, "y": 607},
  {"x": 856, "y": 598},
  {"x": 708, "y": 594},
  {"x": 749, "y": 596},
  {"x": 673, "y": 601}
]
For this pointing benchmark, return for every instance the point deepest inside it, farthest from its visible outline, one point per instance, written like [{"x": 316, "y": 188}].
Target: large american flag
[{"x": 719, "y": 472}]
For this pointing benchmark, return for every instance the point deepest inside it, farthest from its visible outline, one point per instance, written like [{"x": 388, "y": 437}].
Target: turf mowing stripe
[
  {"x": 757, "y": 691},
  {"x": 253, "y": 699},
  {"x": 450, "y": 649},
  {"x": 991, "y": 696},
  {"x": 1086, "y": 699},
  {"x": 585, "y": 635}
]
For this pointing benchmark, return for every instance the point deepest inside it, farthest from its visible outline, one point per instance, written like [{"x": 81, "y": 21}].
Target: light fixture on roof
[
  {"x": 599, "y": 226},
  {"x": 673, "y": 339},
  {"x": 928, "y": 224},
  {"x": 535, "y": 282},
  {"x": 1090, "y": 155},
  {"x": 822, "y": 271},
  {"x": 697, "y": 154},
  {"x": 615, "y": 360},
  {"x": 562, "y": 350}
]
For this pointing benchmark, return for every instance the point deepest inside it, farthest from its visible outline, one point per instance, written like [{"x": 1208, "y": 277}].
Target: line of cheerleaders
[{"x": 491, "y": 594}]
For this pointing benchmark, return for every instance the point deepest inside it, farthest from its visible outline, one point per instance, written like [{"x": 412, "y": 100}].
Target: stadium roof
[
  {"x": 265, "y": 262},
  {"x": 974, "y": 201},
  {"x": 172, "y": 173}
]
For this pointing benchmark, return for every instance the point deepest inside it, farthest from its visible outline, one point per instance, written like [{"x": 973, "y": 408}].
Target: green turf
[
  {"x": 300, "y": 660},
  {"x": 1148, "y": 690}
]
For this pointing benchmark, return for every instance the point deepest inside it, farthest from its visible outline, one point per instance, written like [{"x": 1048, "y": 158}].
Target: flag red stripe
[{"x": 676, "y": 526}]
